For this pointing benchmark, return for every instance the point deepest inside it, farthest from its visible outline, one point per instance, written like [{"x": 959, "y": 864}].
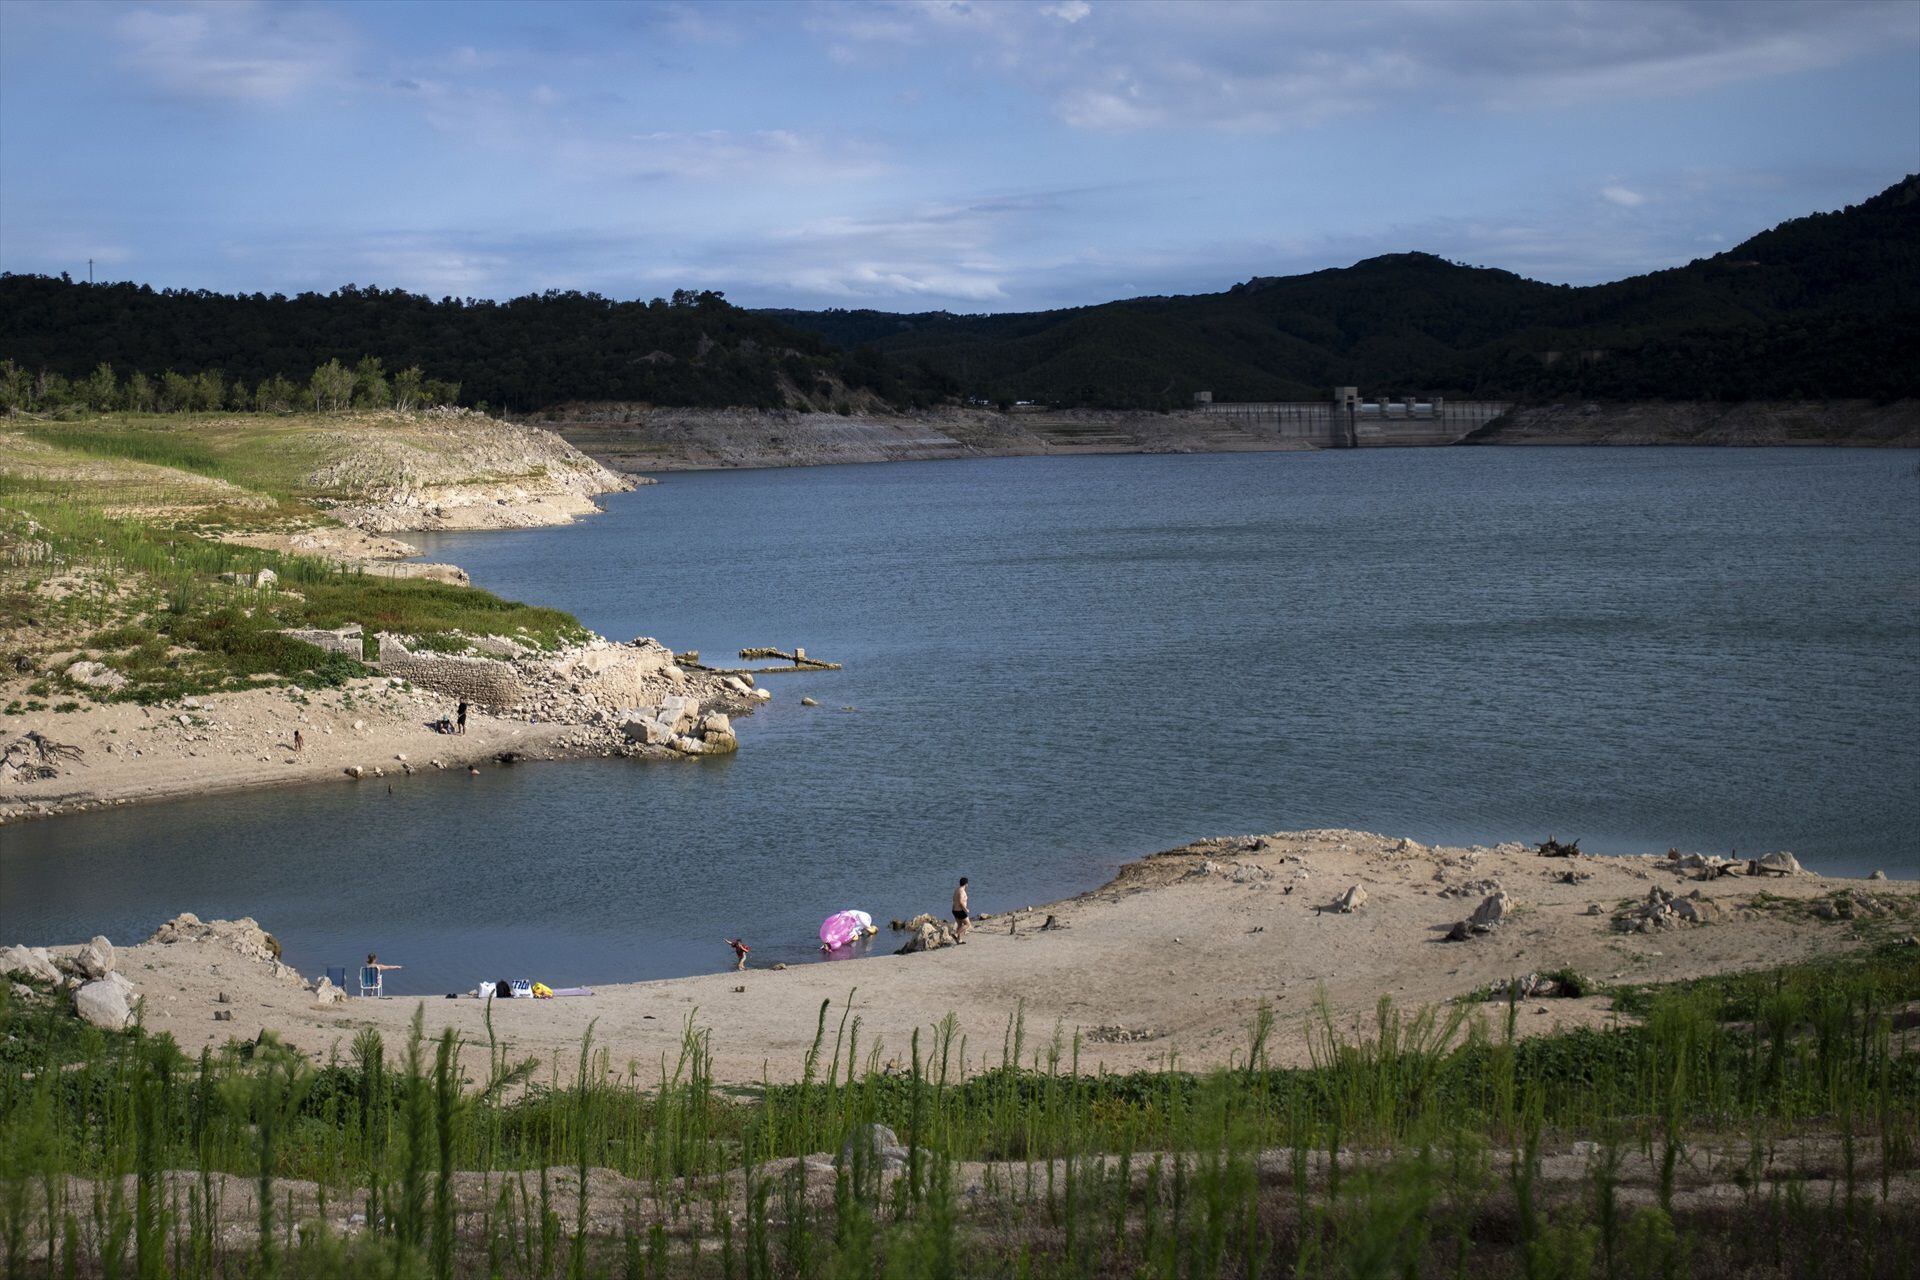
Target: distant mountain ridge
[
  {"x": 1818, "y": 308},
  {"x": 1822, "y": 306}
]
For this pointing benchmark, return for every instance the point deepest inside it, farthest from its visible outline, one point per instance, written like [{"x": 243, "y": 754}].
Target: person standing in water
[
  {"x": 740, "y": 949},
  {"x": 960, "y": 913}
]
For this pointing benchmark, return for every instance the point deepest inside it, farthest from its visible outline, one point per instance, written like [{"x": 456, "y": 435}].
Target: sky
[{"x": 927, "y": 154}]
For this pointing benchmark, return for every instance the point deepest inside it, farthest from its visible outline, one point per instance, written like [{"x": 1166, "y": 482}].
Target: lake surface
[{"x": 1055, "y": 665}]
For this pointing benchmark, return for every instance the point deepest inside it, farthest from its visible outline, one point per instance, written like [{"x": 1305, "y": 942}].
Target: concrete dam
[{"x": 1346, "y": 421}]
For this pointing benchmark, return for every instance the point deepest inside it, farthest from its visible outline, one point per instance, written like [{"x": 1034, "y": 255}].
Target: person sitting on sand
[
  {"x": 740, "y": 950},
  {"x": 960, "y": 913}
]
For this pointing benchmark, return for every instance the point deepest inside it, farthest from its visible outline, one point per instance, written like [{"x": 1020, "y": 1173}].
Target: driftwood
[
  {"x": 1552, "y": 848},
  {"x": 33, "y": 755}
]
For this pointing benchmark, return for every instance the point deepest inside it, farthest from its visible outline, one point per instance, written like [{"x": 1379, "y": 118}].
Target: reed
[{"x": 1421, "y": 1142}]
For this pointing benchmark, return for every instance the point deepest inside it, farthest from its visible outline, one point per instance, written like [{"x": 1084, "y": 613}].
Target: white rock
[
  {"x": 1352, "y": 900},
  {"x": 1493, "y": 910},
  {"x": 324, "y": 992},
  {"x": 103, "y": 1004},
  {"x": 95, "y": 960},
  {"x": 1782, "y": 863},
  {"x": 32, "y": 964}
]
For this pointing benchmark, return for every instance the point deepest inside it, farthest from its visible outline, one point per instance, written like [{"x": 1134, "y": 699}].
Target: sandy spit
[{"x": 1169, "y": 961}]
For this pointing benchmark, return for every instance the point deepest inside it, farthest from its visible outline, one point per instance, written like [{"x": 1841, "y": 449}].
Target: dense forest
[
  {"x": 691, "y": 349},
  {"x": 1822, "y": 306}
]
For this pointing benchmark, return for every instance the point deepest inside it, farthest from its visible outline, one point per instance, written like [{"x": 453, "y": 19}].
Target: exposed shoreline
[
  {"x": 571, "y": 701},
  {"x": 1169, "y": 961},
  {"x": 640, "y": 439}
]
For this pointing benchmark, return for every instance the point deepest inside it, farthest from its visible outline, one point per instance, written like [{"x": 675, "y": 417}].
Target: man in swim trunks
[{"x": 960, "y": 911}]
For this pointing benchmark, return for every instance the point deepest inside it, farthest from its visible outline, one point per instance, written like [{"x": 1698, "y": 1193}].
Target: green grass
[
  {"x": 1416, "y": 1149},
  {"x": 156, "y": 603}
]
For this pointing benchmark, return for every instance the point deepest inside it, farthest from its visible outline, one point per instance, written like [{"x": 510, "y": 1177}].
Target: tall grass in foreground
[{"x": 1427, "y": 1143}]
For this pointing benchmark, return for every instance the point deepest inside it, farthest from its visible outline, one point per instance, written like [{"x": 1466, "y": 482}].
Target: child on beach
[{"x": 740, "y": 950}]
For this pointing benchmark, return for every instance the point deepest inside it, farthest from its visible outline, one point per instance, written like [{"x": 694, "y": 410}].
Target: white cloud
[
  {"x": 239, "y": 51},
  {"x": 1625, "y": 197},
  {"x": 1237, "y": 65}
]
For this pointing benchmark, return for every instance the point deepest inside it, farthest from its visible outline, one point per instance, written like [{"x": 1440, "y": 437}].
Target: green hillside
[{"x": 1826, "y": 305}]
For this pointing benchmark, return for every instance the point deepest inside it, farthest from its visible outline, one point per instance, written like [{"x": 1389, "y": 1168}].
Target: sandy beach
[{"x": 1170, "y": 961}]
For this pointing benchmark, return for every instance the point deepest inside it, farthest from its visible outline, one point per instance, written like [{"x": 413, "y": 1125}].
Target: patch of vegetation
[
  {"x": 170, "y": 609},
  {"x": 1415, "y": 1149}
]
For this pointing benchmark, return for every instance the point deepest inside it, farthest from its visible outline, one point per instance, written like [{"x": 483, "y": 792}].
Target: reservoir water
[{"x": 1054, "y": 665}]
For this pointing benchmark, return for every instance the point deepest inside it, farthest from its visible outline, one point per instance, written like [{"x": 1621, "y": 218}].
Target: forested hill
[
  {"x": 692, "y": 349},
  {"x": 1825, "y": 306}
]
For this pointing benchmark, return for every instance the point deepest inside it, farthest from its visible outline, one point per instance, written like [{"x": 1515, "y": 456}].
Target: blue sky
[{"x": 927, "y": 153}]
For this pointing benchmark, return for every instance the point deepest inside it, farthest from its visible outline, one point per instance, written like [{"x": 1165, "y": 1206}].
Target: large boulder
[
  {"x": 1778, "y": 864},
  {"x": 324, "y": 992},
  {"x": 679, "y": 712},
  {"x": 644, "y": 729},
  {"x": 1492, "y": 911},
  {"x": 878, "y": 1145},
  {"x": 1350, "y": 901},
  {"x": 104, "y": 1003},
  {"x": 28, "y": 962},
  {"x": 95, "y": 960}
]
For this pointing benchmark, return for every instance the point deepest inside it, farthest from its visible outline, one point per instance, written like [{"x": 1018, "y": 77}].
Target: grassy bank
[
  {"x": 1758, "y": 1125},
  {"x": 111, "y": 552}
]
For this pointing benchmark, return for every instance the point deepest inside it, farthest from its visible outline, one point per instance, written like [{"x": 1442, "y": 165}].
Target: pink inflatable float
[{"x": 842, "y": 927}]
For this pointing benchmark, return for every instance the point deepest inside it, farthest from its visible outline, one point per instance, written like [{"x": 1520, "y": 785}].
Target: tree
[
  {"x": 101, "y": 389},
  {"x": 370, "y": 389},
  {"x": 139, "y": 393},
  {"x": 332, "y": 385},
  {"x": 14, "y": 387},
  {"x": 274, "y": 395},
  {"x": 408, "y": 385},
  {"x": 210, "y": 390},
  {"x": 176, "y": 392},
  {"x": 237, "y": 398}
]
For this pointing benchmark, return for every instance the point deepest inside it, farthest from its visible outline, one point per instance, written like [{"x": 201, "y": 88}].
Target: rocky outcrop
[
  {"x": 678, "y": 724},
  {"x": 243, "y": 937},
  {"x": 1664, "y": 910},
  {"x": 29, "y": 962},
  {"x": 1778, "y": 864},
  {"x": 927, "y": 933},
  {"x": 454, "y": 469}
]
